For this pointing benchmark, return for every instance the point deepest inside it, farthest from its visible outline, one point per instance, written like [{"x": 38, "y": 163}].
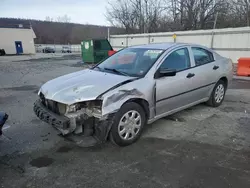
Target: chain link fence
[{"x": 74, "y": 48}]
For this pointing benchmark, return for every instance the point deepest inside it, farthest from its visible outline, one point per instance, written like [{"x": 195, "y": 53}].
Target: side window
[
  {"x": 202, "y": 56},
  {"x": 178, "y": 60}
]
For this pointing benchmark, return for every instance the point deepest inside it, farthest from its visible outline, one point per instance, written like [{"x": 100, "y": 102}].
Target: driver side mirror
[{"x": 161, "y": 72}]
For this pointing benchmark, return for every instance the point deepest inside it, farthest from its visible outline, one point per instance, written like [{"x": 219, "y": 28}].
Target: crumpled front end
[
  {"x": 84, "y": 118},
  {"x": 90, "y": 113}
]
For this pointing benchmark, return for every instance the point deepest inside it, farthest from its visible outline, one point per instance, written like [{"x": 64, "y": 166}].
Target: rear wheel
[
  {"x": 218, "y": 94},
  {"x": 128, "y": 124}
]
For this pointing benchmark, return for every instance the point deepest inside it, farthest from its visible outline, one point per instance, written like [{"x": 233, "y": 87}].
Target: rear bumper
[{"x": 59, "y": 122}]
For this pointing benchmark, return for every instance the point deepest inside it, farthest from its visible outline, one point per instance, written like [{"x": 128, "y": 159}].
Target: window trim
[
  {"x": 192, "y": 61},
  {"x": 189, "y": 55},
  {"x": 192, "y": 47}
]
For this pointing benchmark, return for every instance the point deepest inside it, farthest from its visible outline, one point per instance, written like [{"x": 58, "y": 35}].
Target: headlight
[
  {"x": 73, "y": 108},
  {"x": 62, "y": 108}
]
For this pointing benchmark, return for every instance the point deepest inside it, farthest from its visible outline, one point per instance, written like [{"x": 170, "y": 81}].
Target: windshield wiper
[
  {"x": 116, "y": 71},
  {"x": 97, "y": 68}
]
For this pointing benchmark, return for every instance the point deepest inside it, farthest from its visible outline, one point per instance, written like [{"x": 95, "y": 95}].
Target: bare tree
[
  {"x": 135, "y": 15},
  {"x": 48, "y": 19},
  {"x": 241, "y": 8},
  {"x": 172, "y": 15},
  {"x": 65, "y": 18},
  {"x": 149, "y": 15},
  {"x": 153, "y": 12},
  {"x": 122, "y": 13}
]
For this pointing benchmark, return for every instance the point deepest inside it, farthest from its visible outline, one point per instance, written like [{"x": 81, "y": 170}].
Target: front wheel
[
  {"x": 128, "y": 124},
  {"x": 218, "y": 94}
]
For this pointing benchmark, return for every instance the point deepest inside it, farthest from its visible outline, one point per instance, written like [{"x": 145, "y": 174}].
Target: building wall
[
  {"x": 8, "y": 36},
  {"x": 231, "y": 42}
]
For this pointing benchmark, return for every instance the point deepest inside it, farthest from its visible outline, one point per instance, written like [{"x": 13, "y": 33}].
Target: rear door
[{"x": 206, "y": 71}]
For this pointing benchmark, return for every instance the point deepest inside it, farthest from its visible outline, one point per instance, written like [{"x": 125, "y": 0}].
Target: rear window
[{"x": 202, "y": 56}]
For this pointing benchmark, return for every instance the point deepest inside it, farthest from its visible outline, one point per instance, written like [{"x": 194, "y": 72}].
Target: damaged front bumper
[
  {"x": 79, "y": 123},
  {"x": 62, "y": 123}
]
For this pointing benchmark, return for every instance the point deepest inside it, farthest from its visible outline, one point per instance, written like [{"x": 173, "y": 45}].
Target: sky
[{"x": 79, "y": 11}]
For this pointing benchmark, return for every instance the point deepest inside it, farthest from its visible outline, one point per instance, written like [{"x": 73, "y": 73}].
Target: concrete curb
[{"x": 241, "y": 78}]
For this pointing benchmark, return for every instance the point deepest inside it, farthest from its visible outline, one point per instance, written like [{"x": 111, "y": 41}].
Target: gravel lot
[{"x": 198, "y": 147}]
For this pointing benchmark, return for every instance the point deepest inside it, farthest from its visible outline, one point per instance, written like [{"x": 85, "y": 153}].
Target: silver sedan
[{"x": 136, "y": 86}]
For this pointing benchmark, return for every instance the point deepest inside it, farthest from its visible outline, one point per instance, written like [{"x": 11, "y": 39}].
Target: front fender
[
  {"x": 139, "y": 89},
  {"x": 114, "y": 102}
]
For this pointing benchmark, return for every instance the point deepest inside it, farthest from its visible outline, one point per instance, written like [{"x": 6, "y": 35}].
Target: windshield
[{"x": 134, "y": 62}]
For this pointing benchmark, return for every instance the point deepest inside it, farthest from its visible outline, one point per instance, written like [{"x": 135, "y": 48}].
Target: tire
[
  {"x": 217, "y": 97},
  {"x": 2, "y": 52},
  {"x": 127, "y": 111}
]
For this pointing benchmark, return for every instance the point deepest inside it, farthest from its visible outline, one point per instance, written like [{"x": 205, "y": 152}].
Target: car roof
[{"x": 161, "y": 46}]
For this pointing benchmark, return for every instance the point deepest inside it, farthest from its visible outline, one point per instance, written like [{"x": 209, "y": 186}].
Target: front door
[
  {"x": 175, "y": 91},
  {"x": 19, "y": 47}
]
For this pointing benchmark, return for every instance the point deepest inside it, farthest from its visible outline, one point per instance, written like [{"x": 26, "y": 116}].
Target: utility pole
[
  {"x": 215, "y": 20},
  {"x": 247, "y": 4},
  {"x": 108, "y": 34},
  {"x": 140, "y": 18}
]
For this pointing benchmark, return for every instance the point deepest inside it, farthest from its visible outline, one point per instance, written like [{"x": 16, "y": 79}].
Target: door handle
[
  {"x": 215, "y": 67},
  {"x": 190, "y": 75}
]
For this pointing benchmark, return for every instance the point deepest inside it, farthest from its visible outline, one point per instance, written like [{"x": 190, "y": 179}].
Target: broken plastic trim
[
  {"x": 93, "y": 104},
  {"x": 89, "y": 111}
]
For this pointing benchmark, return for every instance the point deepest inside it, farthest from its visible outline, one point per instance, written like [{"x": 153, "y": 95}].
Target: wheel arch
[
  {"x": 224, "y": 79},
  {"x": 143, "y": 103}
]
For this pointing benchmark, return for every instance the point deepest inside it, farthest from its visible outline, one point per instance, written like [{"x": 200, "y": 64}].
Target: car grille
[{"x": 54, "y": 106}]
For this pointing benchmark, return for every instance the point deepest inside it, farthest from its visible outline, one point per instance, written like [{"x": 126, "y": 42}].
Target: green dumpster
[{"x": 95, "y": 50}]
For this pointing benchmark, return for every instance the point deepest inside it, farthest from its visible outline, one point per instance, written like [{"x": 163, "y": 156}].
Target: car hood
[{"x": 81, "y": 86}]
